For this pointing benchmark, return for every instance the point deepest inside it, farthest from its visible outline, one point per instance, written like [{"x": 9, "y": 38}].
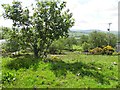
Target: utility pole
[{"x": 109, "y": 33}]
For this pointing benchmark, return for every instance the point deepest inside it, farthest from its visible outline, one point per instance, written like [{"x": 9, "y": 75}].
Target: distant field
[{"x": 61, "y": 71}]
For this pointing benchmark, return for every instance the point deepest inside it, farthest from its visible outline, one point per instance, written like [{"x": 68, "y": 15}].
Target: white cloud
[
  {"x": 8, "y": 23},
  {"x": 88, "y": 14},
  {"x": 96, "y": 14}
]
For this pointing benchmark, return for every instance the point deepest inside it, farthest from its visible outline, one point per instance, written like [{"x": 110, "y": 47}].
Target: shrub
[
  {"x": 10, "y": 46},
  {"x": 96, "y": 51},
  {"x": 56, "y": 47},
  {"x": 53, "y": 49},
  {"x": 55, "y": 58},
  {"x": 8, "y": 77},
  {"x": 118, "y": 53},
  {"x": 62, "y": 44},
  {"x": 77, "y": 48},
  {"x": 115, "y": 53},
  {"x": 108, "y": 50},
  {"x": 85, "y": 46}
]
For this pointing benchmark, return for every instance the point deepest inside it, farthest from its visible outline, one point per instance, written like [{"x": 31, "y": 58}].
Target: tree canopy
[
  {"x": 37, "y": 29},
  {"x": 99, "y": 39}
]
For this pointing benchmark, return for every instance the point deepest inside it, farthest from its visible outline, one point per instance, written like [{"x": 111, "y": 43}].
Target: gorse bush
[
  {"x": 96, "y": 51},
  {"x": 108, "y": 50}
]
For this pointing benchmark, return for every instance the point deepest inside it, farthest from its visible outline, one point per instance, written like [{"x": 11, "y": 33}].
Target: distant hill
[
  {"x": 78, "y": 33},
  {"x": 89, "y": 31}
]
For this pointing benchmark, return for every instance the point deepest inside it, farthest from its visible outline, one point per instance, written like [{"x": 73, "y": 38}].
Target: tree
[
  {"x": 57, "y": 46},
  {"x": 86, "y": 46},
  {"x": 99, "y": 39},
  {"x": 83, "y": 38},
  {"x": 69, "y": 42},
  {"x": 112, "y": 39},
  {"x": 48, "y": 22}
]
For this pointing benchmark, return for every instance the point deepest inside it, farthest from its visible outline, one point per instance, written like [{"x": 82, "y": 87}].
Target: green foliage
[
  {"x": 1, "y": 36},
  {"x": 99, "y": 39},
  {"x": 57, "y": 46},
  {"x": 85, "y": 46},
  {"x": 77, "y": 48},
  {"x": 83, "y": 38},
  {"x": 8, "y": 77},
  {"x": 116, "y": 53},
  {"x": 108, "y": 50},
  {"x": 18, "y": 62},
  {"x": 112, "y": 39},
  {"x": 53, "y": 49},
  {"x": 69, "y": 42},
  {"x": 11, "y": 46},
  {"x": 62, "y": 44},
  {"x": 37, "y": 31}
]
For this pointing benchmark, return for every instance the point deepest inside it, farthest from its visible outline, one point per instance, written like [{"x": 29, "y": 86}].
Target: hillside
[{"x": 78, "y": 33}]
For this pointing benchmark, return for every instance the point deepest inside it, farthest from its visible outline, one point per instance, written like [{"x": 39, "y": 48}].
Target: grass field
[{"x": 72, "y": 70}]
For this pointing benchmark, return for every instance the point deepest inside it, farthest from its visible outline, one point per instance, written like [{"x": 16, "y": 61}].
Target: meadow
[{"x": 71, "y": 70}]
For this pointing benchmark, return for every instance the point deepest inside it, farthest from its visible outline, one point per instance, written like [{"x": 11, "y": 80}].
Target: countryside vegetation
[{"x": 41, "y": 52}]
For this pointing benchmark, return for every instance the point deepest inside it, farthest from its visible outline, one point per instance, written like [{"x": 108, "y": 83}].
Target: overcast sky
[{"x": 88, "y": 14}]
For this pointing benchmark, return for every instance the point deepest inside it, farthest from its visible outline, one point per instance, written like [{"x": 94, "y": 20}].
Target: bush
[
  {"x": 116, "y": 53},
  {"x": 96, "y": 51},
  {"x": 56, "y": 47},
  {"x": 85, "y": 46},
  {"x": 69, "y": 42},
  {"x": 8, "y": 77},
  {"x": 53, "y": 49},
  {"x": 10, "y": 46},
  {"x": 108, "y": 50},
  {"x": 77, "y": 48},
  {"x": 62, "y": 44}
]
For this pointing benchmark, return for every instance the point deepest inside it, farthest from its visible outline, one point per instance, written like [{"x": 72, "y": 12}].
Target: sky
[{"x": 88, "y": 14}]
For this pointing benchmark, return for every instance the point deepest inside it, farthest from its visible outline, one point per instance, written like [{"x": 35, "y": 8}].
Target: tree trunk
[{"x": 36, "y": 52}]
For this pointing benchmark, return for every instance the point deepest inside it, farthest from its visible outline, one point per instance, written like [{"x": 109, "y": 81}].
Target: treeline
[
  {"x": 98, "y": 39},
  {"x": 85, "y": 43}
]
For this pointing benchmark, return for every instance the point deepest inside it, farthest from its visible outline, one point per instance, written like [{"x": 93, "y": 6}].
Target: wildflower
[
  {"x": 99, "y": 68},
  {"x": 114, "y": 63}
]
